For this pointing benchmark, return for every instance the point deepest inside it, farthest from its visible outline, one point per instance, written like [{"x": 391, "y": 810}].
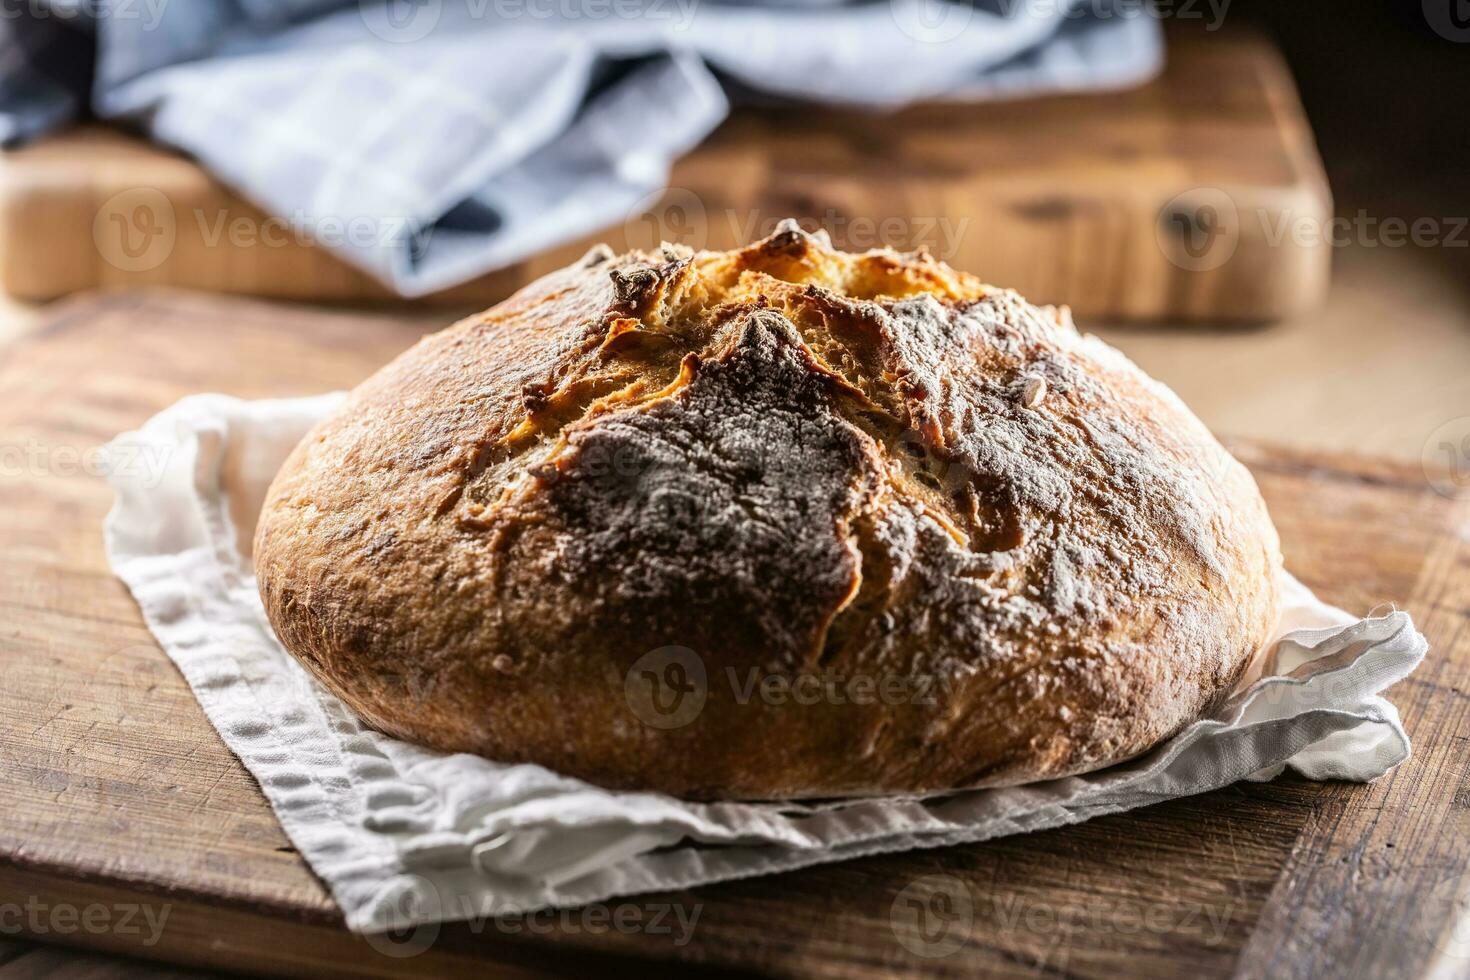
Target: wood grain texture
[
  {"x": 28, "y": 961},
  {"x": 1174, "y": 200},
  {"x": 116, "y": 791}
]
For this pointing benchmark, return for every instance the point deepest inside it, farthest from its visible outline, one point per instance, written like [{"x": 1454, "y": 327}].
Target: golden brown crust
[{"x": 858, "y": 524}]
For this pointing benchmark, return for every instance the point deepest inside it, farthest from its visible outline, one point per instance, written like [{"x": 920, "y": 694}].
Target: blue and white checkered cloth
[{"x": 429, "y": 141}]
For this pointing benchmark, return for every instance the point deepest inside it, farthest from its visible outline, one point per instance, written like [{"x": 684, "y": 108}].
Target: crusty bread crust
[{"x": 879, "y": 527}]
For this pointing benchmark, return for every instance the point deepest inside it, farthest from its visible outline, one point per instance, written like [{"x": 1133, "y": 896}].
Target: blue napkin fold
[{"x": 429, "y": 141}]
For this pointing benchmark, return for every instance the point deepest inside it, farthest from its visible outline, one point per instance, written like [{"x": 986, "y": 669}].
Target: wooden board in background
[
  {"x": 1179, "y": 200},
  {"x": 115, "y": 789}
]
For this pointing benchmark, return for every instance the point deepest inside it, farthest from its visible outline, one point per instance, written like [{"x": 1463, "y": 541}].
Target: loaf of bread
[{"x": 780, "y": 522}]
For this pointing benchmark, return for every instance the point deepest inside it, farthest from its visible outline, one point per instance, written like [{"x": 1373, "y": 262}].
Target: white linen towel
[{"x": 403, "y": 835}]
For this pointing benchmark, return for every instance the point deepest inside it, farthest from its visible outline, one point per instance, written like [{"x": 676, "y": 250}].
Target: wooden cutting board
[
  {"x": 115, "y": 790},
  {"x": 1193, "y": 198}
]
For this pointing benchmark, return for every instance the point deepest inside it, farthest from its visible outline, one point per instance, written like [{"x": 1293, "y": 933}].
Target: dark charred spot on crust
[
  {"x": 449, "y": 500},
  {"x": 534, "y": 397},
  {"x": 724, "y": 477},
  {"x": 633, "y": 286},
  {"x": 597, "y": 255},
  {"x": 786, "y": 239},
  {"x": 790, "y": 240},
  {"x": 674, "y": 263},
  {"x": 357, "y": 638}
]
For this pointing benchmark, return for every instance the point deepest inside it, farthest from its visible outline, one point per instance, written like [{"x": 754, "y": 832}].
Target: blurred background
[
  {"x": 1266, "y": 205},
  {"x": 1263, "y": 204}
]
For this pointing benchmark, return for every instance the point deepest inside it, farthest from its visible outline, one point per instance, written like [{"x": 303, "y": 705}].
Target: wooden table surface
[{"x": 119, "y": 794}]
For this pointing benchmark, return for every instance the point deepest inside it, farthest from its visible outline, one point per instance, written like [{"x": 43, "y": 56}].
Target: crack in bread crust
[{"x": 797, "y": 463}]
